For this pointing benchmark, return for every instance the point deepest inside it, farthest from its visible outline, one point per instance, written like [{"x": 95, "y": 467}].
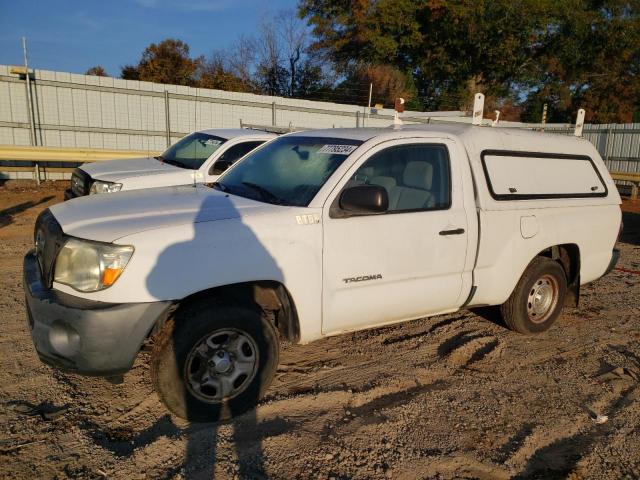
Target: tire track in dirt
[
  {"x": 365, "y": 405},
  {"x": 442, "y": 324},
  {"x": 545, "y": 451},
  {"x": 468, "y": 348}
]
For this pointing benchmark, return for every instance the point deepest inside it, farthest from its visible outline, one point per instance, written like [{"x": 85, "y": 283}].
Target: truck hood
[
  {"x": 117, "y": 170},
  {"x": 107, "y": 218}
]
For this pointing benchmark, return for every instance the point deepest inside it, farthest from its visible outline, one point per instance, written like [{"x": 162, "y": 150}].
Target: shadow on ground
[{"x": 7, "y": 215}]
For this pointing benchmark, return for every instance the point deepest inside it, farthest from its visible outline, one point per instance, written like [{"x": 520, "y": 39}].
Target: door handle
[{"x": 457, "y": 231}]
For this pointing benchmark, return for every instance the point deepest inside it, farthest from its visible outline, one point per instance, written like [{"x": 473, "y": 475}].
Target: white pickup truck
[
  {"x": 200, "y": 157},
  {"x": 314, "y": 234}
]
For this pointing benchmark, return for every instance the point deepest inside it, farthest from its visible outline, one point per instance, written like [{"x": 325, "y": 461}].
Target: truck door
[{"x": 404, "y": 263}]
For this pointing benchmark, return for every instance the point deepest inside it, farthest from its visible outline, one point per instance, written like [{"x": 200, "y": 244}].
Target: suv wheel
[
  {"x": 212, "y": 362},
  {"x": 537, "y": 300}
]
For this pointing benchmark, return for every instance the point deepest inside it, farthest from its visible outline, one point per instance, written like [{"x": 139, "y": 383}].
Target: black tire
[
  {"x": 175, "y": 350},
  {"x": 527, "y": 317}
]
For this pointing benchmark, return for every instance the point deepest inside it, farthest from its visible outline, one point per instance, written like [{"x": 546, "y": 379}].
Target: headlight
[
  {"x": 104, "y": 187},
  {"x": 90, "y": 266}
]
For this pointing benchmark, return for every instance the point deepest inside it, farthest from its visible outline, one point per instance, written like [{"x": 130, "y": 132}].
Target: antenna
[
  {"x": 478, "y": 109},
  {"x": 195, "y": 128},
  {"x": 146, "y": 122},
  {"x": 579, "y": 123}
]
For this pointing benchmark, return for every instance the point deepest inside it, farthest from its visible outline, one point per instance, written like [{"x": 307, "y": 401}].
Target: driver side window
[{"x": 416, "y": 177}]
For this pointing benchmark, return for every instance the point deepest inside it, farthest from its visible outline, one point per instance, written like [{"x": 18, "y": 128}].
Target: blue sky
[{"x": 74, "y": 35}]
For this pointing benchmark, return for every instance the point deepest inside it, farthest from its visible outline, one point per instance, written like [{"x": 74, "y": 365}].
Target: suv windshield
[
  {"x": 192, "y": 150},
  {"x": 288, "y": 170}
]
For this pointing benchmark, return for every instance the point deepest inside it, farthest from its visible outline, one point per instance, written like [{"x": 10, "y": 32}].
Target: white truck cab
[
  {"x": 315, "y": 234},
  {"x": 199, "y": 157}
]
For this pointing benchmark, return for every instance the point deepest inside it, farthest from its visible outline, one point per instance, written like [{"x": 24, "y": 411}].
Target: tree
[
  {"x": 590, "y": 58},
  {"x": 241, "y": 59},
  {"x": 388, "y": 83},
  {"x": 313, "y": 81},
  {"x": 281, "y": 61},
  {"x": 129, "y": 72},
  {"x": 97, "y": 71},
  {"x": 271, "y": 75},
  {"x": 215, "y": 73},
  {"x": 443, "y": 44},
  {"x": 168, "y": 62},
  {"x": 567, "y": 54},
  {"x": 294, "y": 43}
]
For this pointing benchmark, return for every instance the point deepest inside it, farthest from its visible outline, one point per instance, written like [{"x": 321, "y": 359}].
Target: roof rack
[{"x": 271, "y": 128}]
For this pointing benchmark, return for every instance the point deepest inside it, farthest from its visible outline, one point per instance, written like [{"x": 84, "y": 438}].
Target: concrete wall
[{"x": 73, "y": 110}]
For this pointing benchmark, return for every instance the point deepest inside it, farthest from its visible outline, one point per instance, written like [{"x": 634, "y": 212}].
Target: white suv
[{"x": 200, "y": 157}]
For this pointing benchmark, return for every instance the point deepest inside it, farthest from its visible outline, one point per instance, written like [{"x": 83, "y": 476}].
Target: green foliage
[
  {"x": 168, "y": 62},
  {"x": 214, "y": 73},
  {"x": 567, "y": 53},
  {"x": 129, "y": 72}
]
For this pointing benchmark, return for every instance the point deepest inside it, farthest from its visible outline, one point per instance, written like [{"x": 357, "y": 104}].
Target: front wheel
[
  {"x": 213, "y": 362},
  {"x": 537, "y": 300}
]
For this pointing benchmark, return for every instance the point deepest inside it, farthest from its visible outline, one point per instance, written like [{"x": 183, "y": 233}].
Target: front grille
[
  {"x": 80, "y": 182},
  {"x": 49, "y": 238}
]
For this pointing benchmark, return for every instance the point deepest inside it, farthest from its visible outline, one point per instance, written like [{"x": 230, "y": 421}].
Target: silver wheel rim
[
  {"x": 221, "y": 365},
  {"x": 542, "y": 299}
]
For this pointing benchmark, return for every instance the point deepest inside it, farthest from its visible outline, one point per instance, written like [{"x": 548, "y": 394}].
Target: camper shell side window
[{"x": 515, "y": 175}]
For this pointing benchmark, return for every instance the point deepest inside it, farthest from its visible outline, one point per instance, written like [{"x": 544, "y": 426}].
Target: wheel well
[
  {"x": 567, "y": 255},
  {"x": 271, "y": 297}
]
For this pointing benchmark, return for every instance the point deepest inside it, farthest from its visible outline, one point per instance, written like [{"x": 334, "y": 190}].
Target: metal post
[
  {"x": 273, "y": 114},
  {"x": 606, "y": 145},
  {"x": 28, "y": 83},
  {"x": 166, "y": 117},
  {"x": 32, "y": 125},
  {"x": 357, "y": 119},
  {"x": 544, "y": 117},
  {"x": 369, "y": 104}
]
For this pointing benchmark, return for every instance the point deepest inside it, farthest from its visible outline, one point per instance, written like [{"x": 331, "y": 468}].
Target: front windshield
[
  {"x": 287, "y": 171},
  {"x": 191, "y": 151}
]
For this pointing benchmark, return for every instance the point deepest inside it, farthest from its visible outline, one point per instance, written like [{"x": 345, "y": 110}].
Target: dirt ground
[{"x": 454, "y": 396}]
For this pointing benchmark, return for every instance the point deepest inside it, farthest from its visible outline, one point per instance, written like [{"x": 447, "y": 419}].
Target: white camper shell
[
  {"x": 199, "y": 157},
  {"x": 314, "y": 234}
]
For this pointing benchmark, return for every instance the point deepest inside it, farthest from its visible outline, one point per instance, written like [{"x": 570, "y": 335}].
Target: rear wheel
[
  {"x": 537, "y": 300},
  {"x": 213, "y": 362}
]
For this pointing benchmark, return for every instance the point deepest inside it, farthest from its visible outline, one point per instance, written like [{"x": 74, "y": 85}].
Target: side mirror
[
  {"x": 364, "y": 199},
  {"x": 219, "y": 167}
]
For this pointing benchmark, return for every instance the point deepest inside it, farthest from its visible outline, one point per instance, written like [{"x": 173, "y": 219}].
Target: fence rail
[
  {"x": 629, "y": 178},
  {"x": 55, "y": 162},
  {"x": 60, "y": 154}
]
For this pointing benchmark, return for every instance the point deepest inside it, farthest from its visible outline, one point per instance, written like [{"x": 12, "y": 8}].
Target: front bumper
[{"x": 85, "y": 336}]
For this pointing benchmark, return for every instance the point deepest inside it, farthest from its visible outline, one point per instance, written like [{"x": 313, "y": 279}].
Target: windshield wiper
[
  {"x": 220, "y": 186},
  {"x": 265, "y": 194},
  {"x": 175, "y": 163}
]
